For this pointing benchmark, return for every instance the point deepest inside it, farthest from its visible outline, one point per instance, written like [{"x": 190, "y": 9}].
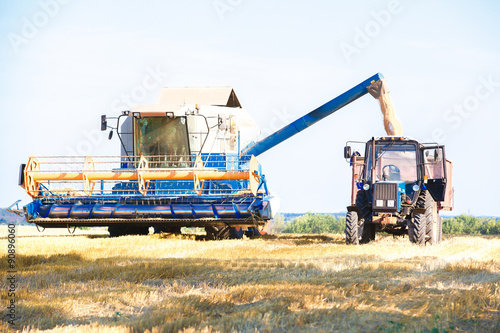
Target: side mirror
[
  {"x": 104, "y": 122},
  {"x": 110, "y": 135},
  {"x": 437, "y": 155},
  {"x": 347, "y": 152},
  {"x": 21, "y": 175}
]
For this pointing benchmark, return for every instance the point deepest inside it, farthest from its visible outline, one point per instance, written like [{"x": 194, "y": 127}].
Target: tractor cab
[{"x": 392, "y": 162}]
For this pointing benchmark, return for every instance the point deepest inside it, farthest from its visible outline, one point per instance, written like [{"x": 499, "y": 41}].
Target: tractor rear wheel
[{"x": 352, "y": 231}]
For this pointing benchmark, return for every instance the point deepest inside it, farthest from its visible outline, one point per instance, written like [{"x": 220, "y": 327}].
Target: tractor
[{"x": 398, "y": 186}]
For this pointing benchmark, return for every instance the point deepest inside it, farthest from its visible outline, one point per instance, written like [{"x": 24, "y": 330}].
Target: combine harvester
[{"x": 187, "y": 161}]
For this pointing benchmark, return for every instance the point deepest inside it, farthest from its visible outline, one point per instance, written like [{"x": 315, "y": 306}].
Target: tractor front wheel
[
  {"x": 416, "y": 229},
  {"x": 424, "y": 227},
  {"x": 367, "y": 232},
  {"x": 433, "y": 225},
  {"x": 352, "y": 231}
]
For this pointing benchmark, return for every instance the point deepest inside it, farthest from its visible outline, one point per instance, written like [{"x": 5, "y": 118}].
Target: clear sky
[{"x": 63, "y": 63}]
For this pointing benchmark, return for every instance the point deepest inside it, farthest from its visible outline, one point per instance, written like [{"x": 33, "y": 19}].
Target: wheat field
[{"x": 87, "y": 282}]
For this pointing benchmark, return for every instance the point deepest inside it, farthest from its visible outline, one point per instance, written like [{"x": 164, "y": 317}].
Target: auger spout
[{"x": 312, "y": 117}]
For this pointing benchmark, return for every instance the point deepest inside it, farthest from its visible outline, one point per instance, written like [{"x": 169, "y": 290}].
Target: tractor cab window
[
  {"x": 433, "y": 161},
  {"x": 393, "y": 162},
  {"x": 164, "y": 138}
]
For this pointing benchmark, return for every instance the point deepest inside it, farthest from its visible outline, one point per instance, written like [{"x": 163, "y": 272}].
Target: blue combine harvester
[{"x": 187, "y": 161}]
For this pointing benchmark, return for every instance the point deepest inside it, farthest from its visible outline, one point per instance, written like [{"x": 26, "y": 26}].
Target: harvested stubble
[{"x": 283, "y": 283}]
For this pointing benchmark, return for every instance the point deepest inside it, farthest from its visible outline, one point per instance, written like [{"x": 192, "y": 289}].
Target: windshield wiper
[{"x": 383, "y": 149}]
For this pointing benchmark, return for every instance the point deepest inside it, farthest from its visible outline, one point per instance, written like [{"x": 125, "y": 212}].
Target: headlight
[
  {"x": 416, "y": 188},
  {"x": 366, "y": 187}
]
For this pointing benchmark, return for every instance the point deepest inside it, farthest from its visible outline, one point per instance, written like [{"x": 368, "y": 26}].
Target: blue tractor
[{"x": 398, "y": 186}]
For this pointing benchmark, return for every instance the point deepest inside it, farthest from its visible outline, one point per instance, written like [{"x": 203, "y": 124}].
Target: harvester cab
[
  {"x": 186, "y": 121},
  {"x": 398, "y": 186}
]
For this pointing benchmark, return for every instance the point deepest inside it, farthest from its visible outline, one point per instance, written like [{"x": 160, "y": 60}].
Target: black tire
[
  {"x": 363, "y": 205},
  {"x": 368, "y": 234},
  {"x": 433, "y": 220},
  {"x": 421, "y": 227},
  {"x": 416, "y": 229},
  {"x": 351, "y": 228},
  {"x": 217, "y": 233},
  {"x": 368, "y": 229},
  {"x": 118, "y": 230}
]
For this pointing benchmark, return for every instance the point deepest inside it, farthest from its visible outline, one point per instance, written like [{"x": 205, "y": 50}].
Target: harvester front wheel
[
  {"x": 217, "y": 233},
  {"x": 352, "y": 228}
]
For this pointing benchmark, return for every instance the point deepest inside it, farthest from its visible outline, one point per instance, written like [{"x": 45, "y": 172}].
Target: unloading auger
[{"x": 181, "y": 165}]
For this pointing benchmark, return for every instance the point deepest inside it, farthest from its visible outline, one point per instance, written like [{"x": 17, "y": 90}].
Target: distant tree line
[
  {"x": 315, "y": 224},
  {"x": 471, "y": 225},
  {"x": 310, "y": 223}
]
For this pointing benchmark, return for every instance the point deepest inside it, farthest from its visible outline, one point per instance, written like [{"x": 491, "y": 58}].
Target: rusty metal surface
[{"x": 385, "y": 219}]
